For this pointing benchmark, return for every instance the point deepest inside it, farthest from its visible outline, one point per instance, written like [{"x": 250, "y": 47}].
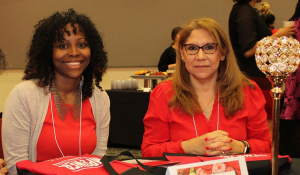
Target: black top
[
  {"x": 166, "y": 58},
  {"x": 246, "y": 27}
]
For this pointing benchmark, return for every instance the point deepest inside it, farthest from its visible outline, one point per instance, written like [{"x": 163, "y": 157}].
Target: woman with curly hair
[
  {"x": 209, "y": 107},
  {"x": 60, "y": 109}
]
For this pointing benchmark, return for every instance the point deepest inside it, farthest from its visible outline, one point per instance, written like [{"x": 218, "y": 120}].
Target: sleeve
[
  {"x": 246, "y": 27},
  {"x": 15, "y": 130},
  {"x": 164, "y": 61},
  {"x": 258, "y": 132},
  {"x": 102, "y": 104},
  {"x": 156, "y": 139}
]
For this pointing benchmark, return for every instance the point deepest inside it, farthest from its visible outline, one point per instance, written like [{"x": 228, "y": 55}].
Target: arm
[
  {"x": 258, "y": 132},
  {"x": 156, "y": 139},
  {"x": 15, "y": 129},
  {"x": 286, "y": 31},
  {"x": 101, "y": 104}
]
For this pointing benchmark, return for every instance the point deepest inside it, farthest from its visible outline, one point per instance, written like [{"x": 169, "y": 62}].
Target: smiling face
[
  {"x": 201, "y": 66},
  {"x": 72, "y": 55}
]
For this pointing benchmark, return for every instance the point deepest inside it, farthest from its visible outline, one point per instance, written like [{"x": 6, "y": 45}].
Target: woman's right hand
[
  {"x": 285, "y": 31},
  {"x": 199, "y": 144},
  {"x": 3, "y": 169}
]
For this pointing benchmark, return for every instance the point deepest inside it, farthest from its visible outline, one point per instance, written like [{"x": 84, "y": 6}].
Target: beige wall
[{"x": 12, "y": 77}]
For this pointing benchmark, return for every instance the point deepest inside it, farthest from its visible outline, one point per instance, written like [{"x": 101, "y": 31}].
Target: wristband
[{"x": 247, "y": 147}]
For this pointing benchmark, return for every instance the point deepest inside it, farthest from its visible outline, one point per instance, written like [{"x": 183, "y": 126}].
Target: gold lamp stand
[{"x": 277, "y": 58}]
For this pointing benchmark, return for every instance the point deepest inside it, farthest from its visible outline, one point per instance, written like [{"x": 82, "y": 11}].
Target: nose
[
  {"x": 73, "y": 51},
  {"x": 201, "y": 55}
]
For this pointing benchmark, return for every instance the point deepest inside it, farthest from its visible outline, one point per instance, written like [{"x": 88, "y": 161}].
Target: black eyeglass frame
[{"x": 200, "y": 48}]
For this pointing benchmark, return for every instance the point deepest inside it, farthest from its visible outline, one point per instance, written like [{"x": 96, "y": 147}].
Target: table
[
  {"x": 127, "y": 109},
  {"x": 150, "y": 81}
]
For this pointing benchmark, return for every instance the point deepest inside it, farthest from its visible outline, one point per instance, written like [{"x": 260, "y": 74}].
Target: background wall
[{"x": 135, "y": 32}]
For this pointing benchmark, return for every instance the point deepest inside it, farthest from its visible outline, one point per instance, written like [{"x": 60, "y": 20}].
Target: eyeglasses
[{"x": 193, "y": 49}]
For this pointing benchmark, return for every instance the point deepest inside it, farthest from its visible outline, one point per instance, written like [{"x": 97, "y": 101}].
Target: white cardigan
[{"x": 23, "y": 118}]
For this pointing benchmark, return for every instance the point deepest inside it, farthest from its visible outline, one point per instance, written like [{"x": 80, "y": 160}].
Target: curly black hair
[
  {"x": 2, "y": 61},
  {"x": 49, "y": 30}
]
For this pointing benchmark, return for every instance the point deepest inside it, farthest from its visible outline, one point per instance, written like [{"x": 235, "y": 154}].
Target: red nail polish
[
  {"x": 231, "y": 140},
  {"x": 230, "y": 148},
  {"x": 207, "y": 147},
  {"x": 206, "y": 139},
  {"x": 206, "y": 154}
]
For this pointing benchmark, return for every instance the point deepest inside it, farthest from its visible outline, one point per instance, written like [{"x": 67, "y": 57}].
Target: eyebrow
[{"x": 68, "y": 40}]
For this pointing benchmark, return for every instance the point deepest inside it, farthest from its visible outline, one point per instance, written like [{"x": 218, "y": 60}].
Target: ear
[
  {"x": 181, "y": 53},
  {"x": 222, "y": 58}
]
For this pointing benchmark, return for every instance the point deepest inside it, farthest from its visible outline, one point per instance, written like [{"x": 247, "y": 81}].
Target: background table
[{"x": 127, "y": 108}]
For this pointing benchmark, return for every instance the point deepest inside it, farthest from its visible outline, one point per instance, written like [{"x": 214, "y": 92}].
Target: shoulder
[
  {"x": 100, "y": 95},
  {"x": 29, "y": 87},
  {"x": 163, "y": 89},
  {"x": 164, "y": 86},
  {"x": 169, "y": 49},
  {"x": 253, "y": 92},
  {"x": 243, "y": 9},
  {"x": 99, "y": 98}
]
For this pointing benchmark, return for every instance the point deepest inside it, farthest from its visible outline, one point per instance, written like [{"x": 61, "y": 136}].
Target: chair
[{"x": 1, "y": 149}]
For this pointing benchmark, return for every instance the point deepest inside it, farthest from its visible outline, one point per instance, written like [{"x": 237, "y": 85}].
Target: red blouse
[
  {"x": 67, "y": 134},
  {"x": 165, "y": 128}
]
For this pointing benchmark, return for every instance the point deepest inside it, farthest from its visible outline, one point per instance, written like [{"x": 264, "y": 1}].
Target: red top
[
  {"x": 67, "y": 134},
  {"x": 165, "y": 129}
]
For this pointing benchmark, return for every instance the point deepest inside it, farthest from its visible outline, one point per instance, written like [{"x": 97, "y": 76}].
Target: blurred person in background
[
  {"x": 246, "y": 28},
  {"x": 290, "y": 114},
  {"x": 168, "y": 58},
  {"x": 268, "y": 16}
]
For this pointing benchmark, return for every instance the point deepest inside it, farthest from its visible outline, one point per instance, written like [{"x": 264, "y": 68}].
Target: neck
[
  {"x": 252, "y": 3},
  {"x": 206, "y": 85},
  {"x": 66, "y": 87}
]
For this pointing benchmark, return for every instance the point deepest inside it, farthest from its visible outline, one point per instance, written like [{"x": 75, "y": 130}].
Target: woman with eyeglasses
[{"x": 208, "y": 107}]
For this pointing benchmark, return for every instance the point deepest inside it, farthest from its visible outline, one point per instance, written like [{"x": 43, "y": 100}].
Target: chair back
[{"x": 1, "y": 149}]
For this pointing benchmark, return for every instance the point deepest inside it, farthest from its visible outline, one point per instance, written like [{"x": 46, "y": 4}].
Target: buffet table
[{"x": 128, "y": 108}]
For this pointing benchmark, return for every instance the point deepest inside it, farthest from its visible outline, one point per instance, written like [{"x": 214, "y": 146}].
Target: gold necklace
[
  {"x": 62, "y": 108},
  {"x": 205, "y": 109}
]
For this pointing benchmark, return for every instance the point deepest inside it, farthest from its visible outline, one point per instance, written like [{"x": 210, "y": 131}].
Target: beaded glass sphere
[{"x": 277, "y": 56}]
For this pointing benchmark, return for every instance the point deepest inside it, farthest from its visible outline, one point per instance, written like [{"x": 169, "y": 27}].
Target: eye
[
  {"x": 62, "y": 46},
  {"x": 191, "y": 47},
  {"x": 83, "y": 45},
  {"x": 209, "y": 47}
]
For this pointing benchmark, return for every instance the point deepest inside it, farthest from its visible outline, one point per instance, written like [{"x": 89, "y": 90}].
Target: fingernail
[
  {"x": 206, "y": 154},
  {"x": 230, "y": 148},
  {"x": 231, "y": 140},
  {"x": 207, "y": 147},
  {"x": 206, "y": 139}
]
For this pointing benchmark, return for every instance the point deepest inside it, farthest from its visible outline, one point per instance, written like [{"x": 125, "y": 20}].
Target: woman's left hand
[
  {"x": 3, "y": 169},
  {"x": 223, "y": 145}
]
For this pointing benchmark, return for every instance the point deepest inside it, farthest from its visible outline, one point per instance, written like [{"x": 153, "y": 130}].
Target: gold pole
[{"x": 276, "y": 93}]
